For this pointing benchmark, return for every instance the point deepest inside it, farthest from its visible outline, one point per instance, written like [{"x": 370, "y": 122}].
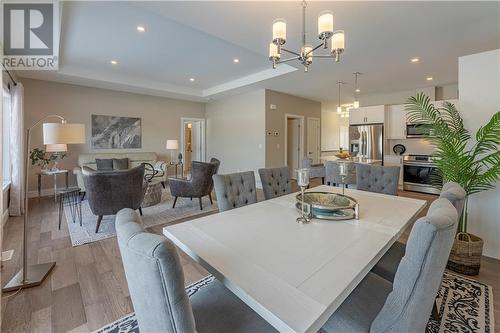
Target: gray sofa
[{"x": 135, "y": 159}]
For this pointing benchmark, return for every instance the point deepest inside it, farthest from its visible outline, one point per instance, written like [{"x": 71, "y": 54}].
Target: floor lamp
[{"x": 53, "y": 133}]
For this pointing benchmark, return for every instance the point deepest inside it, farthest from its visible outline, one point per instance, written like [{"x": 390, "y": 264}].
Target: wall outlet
[
  {"x": 276, "y": 133},
  {"x": 7, "y": 255},
  {"x": 272, "y": 106}
]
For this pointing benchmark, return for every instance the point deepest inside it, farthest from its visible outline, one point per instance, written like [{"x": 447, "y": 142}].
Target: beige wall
[
  {"x": 160, "y": 116},
  {"x": 479, "y": 85},
  {"x": 275, "y": 122},
  {"x": 236, "y": 132}
]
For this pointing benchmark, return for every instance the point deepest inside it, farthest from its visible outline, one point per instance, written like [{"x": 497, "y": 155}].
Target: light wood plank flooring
[{"x": 87, "y": 289}]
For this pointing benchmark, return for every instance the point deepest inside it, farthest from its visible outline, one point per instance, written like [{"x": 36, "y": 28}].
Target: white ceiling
[{"x": 185, "y": 39}]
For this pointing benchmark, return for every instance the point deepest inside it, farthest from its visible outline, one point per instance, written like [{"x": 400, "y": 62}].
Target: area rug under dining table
[
  {"x": 160, "y": 214},
  {"x": 465, "y": 305}
]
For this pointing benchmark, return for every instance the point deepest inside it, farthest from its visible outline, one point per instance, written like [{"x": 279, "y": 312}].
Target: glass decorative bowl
[{"x": 328, "y": 206}]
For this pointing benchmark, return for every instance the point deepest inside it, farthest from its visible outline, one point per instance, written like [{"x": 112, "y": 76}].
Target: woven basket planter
[{"x": 465, "y": 256}]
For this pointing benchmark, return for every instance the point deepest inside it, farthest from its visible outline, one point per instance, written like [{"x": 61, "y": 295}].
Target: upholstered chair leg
[
  {"x": 140, "y": 211},
  {"x": 175, "y": 200},
  {"x": 323, "y": 180},
  {"x": 210, "y": 197},
  {"x": 163, "y": 184},
  {"x": 191, "y": 198},
  {"x": 99, "y": 219},
  {"x": 201, "y": 205}
]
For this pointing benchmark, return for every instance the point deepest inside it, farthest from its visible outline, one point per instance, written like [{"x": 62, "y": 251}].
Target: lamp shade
[
  {"x": 338, "y": 40},
  {"x": 325, "y": 23},
  {"x": 57, "y": 133},
  {"x": 56, "y": 148},
  {"x": 279, "y": 30},
  {"x": 172, "y": 144}
]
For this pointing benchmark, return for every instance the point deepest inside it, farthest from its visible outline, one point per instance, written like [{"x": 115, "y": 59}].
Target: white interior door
[
  {"x": 313, "y": 139},
  {"x": 196, "y": 140},
  {"x": 293, "y": 144}
]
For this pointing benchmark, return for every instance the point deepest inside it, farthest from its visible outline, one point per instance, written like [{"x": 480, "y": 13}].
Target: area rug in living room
[
  {"x": 465, "y": 305},
  {"x": 162, "y": 213}
]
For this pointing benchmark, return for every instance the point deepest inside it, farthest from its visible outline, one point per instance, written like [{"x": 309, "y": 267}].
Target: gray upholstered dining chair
[
  {"x": 235, "y": 190},
  {"x": 275, "y": 182},
  {"x": 315, "y": 170},
  {"x": 376, "y": 305},
  {"x": 199, "y": 185},
  {"x": 388, "y": 264},
  {"x": 376, "y": 178},
  {"x": 110, "y": 191},
  {"x": 332, "y": 173},
  {"x": 156, "y": 282}
]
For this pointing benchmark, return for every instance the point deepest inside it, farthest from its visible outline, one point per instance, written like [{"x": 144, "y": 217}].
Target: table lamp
[
  {"x": 172, "y": 145},
  {"x": 53, "y": 134}
]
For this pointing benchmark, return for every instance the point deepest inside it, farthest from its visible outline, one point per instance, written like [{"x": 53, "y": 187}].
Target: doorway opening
[
  {"x": 294, "y": 142},
  {"x": 192, "y": 141},
  {"x": 314, "y": 139}
]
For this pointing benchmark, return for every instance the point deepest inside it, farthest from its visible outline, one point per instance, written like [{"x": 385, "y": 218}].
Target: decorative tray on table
[{"x": 328, "y": 206}]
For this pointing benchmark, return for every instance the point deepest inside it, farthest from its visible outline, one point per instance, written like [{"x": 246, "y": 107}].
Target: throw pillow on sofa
[
  {"x": 104, "y": 164},
  {"x": 120, "y": 163}
]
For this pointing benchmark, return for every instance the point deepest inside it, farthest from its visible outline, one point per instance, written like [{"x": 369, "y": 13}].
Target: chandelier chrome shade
[{"x": 330, "y": 39}]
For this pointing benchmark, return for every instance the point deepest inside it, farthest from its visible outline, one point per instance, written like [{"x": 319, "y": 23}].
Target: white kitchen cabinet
[
  {"x": 395, "y": 122},
  {"x": 367, "y": 115},
  {"x": 395, "y": 160}
]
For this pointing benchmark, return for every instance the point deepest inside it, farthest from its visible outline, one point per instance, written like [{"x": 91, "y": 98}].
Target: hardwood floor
[{"x": 87, "y": 288}]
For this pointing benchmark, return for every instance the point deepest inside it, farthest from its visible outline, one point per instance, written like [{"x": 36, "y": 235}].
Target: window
[{"x": 6, "y": 136}]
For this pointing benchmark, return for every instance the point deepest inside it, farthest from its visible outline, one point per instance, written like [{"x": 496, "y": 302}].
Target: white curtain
[{"x": 17, "y": 142}]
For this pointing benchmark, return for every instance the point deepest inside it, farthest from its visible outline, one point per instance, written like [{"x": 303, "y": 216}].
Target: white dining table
[{"x": 294, "y": 275}]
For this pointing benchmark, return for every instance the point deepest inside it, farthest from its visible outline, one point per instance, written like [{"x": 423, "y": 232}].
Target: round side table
[{"x": 153, "y": 194}]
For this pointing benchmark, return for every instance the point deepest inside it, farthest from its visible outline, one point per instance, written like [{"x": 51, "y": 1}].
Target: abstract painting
[{"x": 110, "y": 132}]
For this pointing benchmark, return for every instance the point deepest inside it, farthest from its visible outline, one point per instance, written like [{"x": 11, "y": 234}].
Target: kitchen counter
[{"x": 352, "y": 159}]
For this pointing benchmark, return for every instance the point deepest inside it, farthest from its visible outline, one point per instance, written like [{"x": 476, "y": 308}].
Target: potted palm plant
[{"x": 474, "y": 164}]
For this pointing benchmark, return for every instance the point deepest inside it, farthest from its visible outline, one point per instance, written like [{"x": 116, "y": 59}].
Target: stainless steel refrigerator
[{"x": 367, "y": 141}]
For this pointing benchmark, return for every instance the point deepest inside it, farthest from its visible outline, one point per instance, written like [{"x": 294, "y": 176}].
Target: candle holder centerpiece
[
  {"x": 343, "y": 174},
  {"x": 303, "y": 183}
]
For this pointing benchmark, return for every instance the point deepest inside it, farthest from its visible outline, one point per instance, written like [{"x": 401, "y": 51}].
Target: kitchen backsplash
[{"x": 413, "y": 146}]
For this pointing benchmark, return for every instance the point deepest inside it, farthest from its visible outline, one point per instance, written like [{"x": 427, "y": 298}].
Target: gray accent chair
[
  {"x": 216, "y": 162},
  {"x": 315, "y": 170},
  {"x": 156, "y": 283},
  {"x": 235, "y": 190},
  {"x": 275, "y": 182},
  {"x": 110, "y": 191},
  {"x": 388, "y": 264},
  {"x": 378, "y": 306},
  {"x": 332, "y": 173},
  {"x": 376, "y": 178},
  {"x": 198, "y": 186}
]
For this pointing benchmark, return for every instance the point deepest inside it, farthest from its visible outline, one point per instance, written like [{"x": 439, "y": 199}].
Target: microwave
[{"x": 418, "y": 131}]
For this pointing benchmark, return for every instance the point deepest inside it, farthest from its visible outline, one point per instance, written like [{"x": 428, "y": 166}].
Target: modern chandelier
[{"x": 305, "y": 55}]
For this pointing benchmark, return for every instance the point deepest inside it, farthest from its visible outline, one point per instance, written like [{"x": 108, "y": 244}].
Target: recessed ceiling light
[
  {"x": 140, "y": 28},
  {"x": 191, "y": 79},
  {"x": 414, "y": 60},
  {"x": 236, "y": 60},
  {"x": 114, "y": 62},
  {"x": 358, "y": 90},
  {"x": 429, "y": 78}
]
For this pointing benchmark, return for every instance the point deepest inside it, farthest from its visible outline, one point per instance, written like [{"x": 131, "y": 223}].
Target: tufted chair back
[
  {"x": 235, "y": 190},
  {"x": 275, "y": 182},
  {"x": 375, "y": 178}
]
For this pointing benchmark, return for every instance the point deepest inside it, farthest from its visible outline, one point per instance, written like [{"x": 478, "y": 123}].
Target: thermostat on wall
[{"x": 273, "y": 106}]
